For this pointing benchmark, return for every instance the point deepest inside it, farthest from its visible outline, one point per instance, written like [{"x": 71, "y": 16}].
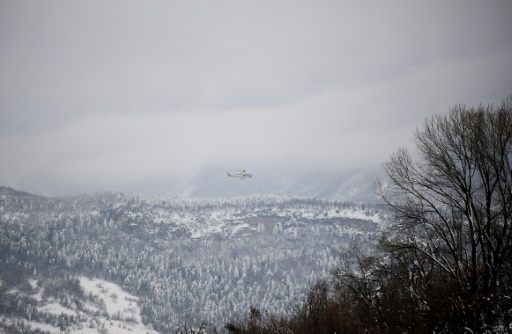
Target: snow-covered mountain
[
  {"x": 212, "y": 181},
  {"x": 179, "y": 260}
]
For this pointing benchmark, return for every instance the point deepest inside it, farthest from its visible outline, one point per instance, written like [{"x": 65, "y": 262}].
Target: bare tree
[{"x": 453, "y": 206}]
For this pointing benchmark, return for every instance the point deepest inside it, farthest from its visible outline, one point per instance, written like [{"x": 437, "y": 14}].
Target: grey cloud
[{"x": 126, "y": 90}]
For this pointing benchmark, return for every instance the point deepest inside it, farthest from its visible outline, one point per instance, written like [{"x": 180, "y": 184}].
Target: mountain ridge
[{"x": 212, "y": 181}]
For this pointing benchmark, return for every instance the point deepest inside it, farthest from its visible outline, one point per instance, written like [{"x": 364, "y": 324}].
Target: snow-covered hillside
[
  {"x": 104, "y": 308},
  {"x": 175, "y": 260}
]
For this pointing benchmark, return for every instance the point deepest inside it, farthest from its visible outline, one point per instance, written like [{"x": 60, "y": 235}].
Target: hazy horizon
[{"x": 124, "y": 92}]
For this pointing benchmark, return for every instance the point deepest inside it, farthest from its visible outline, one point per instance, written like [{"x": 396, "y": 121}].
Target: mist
[{"x": 99, "y": 96}]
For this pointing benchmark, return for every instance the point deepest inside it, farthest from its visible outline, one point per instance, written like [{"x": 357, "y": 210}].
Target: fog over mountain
[
  {"x": 146, "y": 95},
  {"x": 354, "y": 185}
]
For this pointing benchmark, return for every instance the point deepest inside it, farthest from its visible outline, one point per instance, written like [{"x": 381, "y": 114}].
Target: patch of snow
[
  {"x": 43, "y": 327},
  {"x": 208, "y": 230},
  {"x": 239, "y": 227},
  {"x": 120, "y": 313},
  {"x": 33, "y": 283},
  {"x": 121, "y": 307},
  {"x": 56, "y": 308}
]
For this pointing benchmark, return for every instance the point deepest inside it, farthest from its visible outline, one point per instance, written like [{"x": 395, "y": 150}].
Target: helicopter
[{"x": 242, "y": 174}]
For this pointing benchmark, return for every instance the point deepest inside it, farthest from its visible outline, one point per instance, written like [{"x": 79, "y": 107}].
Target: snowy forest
[{"x": 183, "y": 261}]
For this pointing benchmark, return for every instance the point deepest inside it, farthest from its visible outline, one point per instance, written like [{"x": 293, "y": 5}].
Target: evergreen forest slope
[{"x": 164, "y": 262}]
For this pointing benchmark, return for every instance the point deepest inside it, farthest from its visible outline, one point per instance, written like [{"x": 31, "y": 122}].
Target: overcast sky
[{"x": 119, "y": 91}]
